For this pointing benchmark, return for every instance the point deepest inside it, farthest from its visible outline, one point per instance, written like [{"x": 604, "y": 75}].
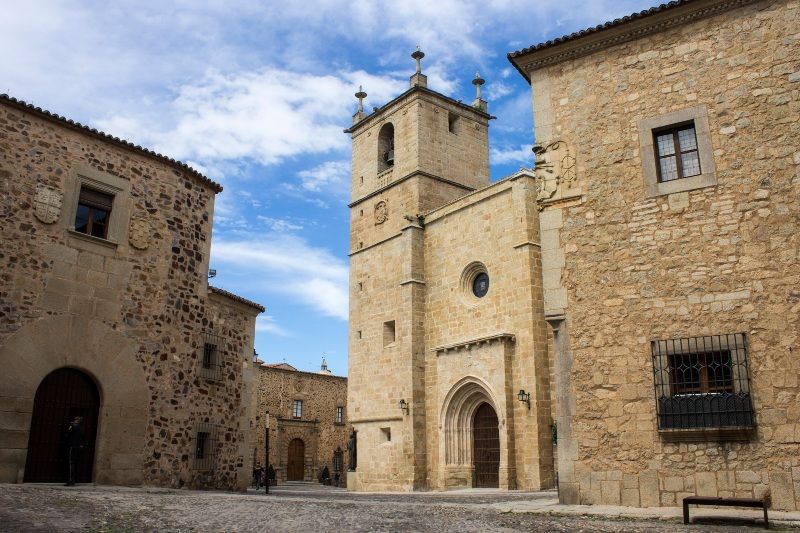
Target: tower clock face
[{"x": 480, "y": 285}]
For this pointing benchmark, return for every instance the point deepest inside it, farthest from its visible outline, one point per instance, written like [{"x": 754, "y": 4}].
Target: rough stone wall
[
  {"x": 154, "y": 298},
  {"x": 321, "y": 394},
  {"x": 720, "y": 259}
]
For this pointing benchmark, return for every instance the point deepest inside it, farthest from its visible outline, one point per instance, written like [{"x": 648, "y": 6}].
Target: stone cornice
[
  {"x": 619, "y": 31},
  {"x": 498, "y": 337},
  {"x": 404, "y": 178}
]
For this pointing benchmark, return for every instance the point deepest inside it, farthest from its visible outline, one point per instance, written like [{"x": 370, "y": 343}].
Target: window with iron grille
[
  {"x": 702, "y": 382},
  {"x": 297, "y": 409},
  {"x": 677, "y": 154},
  {"x": 211, "y": 357},
  {"x": 339, "y": 415},
  {"x": 205, "y": 447},
  {"x": 337, "y": 460},
  {"x": 93, "y": 213}
]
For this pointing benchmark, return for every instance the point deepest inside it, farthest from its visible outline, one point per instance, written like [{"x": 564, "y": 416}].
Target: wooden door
[
  {"x": 62, "y": 395},
  {"x": 486, "y": 447},
  {"x": 295, "y": 465}
]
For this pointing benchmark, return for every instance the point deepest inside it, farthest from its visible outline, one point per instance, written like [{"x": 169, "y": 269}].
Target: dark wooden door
[
  {"x": 486, "y": 447},
  {"x": 62, "y": 395},
  {"x": 296, "y": 461}
]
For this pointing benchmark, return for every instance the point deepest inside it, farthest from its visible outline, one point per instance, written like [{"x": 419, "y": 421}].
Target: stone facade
[
  {"x": 132, "y": 311},
  {"x": 322, "y": 435},
  {"x": 598, "y": 269},
  {"x": 628, "y": 260},
  {"x": 417, "y": 333}
]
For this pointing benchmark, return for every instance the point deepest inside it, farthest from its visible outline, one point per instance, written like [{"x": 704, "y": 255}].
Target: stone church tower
[{"x": 446, "y": 320}]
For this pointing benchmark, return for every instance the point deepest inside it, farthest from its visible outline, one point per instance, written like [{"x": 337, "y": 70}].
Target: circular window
[
  {"x": 480, "y": 285},
  {"x": 474, "y": 282}
]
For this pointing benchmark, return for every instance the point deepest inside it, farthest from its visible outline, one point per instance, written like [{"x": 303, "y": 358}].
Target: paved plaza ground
[{"x": 50, "y": 508}]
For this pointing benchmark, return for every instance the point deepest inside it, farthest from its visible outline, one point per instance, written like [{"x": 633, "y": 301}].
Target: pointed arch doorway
[
  {"x": 295, "y": 464},
  {"x": 486, "y": 447},
  {"x": 61, "y": 396}
]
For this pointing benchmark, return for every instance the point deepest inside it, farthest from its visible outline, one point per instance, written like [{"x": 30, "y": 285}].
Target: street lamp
[{"x": 266, "y": 425}]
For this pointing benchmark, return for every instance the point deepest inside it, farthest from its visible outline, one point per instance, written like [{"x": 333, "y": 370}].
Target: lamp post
[{"x": 266, "y": 456}]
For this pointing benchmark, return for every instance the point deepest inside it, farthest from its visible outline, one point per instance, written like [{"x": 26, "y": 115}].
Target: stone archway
[
  {"x": 63, "y": 394},
  {"x": 457, "y": 420},
  {"x": 104, "y": 354}
]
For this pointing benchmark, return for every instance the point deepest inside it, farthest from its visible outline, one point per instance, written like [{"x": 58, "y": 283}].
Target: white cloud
[
  {"x": 267, "y": 324},
  {"x": 279, "y": 225},
  {"x": 506, "y": 156},
  {"x": 331, "y": 175},
  {"x": 287, "y": 264}
]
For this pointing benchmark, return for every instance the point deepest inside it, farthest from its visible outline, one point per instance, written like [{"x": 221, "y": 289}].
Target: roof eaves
[
  {"x": 236, "y": 298},
  {"x": 69, "y": 123}
]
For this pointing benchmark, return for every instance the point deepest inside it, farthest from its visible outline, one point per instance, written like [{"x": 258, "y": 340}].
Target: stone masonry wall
[
  {"x": 715, "y": 260},
  {"x": 154, "y": 298},
  {"x": 321, "y": 394}
]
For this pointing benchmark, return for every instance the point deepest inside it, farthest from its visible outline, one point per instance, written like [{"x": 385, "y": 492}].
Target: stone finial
[
  {"x": 418, "y": 55},
  {"x": 418, "y": 79},
  {"x": 479, "y": 103},
  {"x": 323, "y": 368},
  {"x": 360, "y": 113}
]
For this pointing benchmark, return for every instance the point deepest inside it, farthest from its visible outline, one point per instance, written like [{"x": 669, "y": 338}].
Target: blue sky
[{"x": 256, "y": 94}]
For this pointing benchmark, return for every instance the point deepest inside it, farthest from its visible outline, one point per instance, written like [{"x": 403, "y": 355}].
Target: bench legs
[
  {"x": 685, "y": 513},
  {"x": 766, "y": 520}
]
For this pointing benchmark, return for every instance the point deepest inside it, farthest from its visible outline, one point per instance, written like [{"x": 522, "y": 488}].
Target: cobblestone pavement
[{"x": 49, "y": 508}]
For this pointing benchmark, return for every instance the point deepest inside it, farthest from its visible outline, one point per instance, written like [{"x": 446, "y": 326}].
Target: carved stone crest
[
  {"x": 381, "y": 212},
  {"x": 555, "y": 168},
  {"x": 47, "y": 204},
  {"x": 139, "y": 233}
]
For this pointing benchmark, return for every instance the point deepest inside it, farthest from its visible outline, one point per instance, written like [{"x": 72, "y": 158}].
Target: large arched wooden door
[
  {"x": 62, "y": 395},
  {"x": 295, "y": 464},
  {"x": 486, "y": 447}
]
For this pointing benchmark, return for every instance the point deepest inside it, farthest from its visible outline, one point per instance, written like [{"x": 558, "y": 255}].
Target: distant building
[
  {"x": 629, "y": 307},
  {"x": 106, "y": 313},
  {"x": 307, "y": 414}
]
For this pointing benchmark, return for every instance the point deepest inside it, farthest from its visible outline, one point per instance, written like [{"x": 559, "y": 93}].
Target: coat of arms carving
[
  {"x": 139, "y": 234},
  {"x": 47, "y": 204},
  {"x": 381, "y": 212},
  {"x": 555, "y": 168}
]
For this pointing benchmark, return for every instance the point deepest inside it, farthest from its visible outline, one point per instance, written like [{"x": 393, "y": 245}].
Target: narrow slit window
[{"x": 389, "y": 334}]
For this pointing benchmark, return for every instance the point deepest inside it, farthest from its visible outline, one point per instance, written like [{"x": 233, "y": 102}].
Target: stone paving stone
[{"x": 54, "y": 508}]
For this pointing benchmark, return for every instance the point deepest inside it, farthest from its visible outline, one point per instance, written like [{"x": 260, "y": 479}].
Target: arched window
[{"x": 386, "y": 147}]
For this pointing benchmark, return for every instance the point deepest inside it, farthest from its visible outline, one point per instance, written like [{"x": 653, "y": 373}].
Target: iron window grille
[
  {"x": 205, "y": 447},
  {"x": 297, "y": 409},
  {"x": 702, "y": 382},
  {"x": 337, "y": 460},
  {"x": 93, "y": 213},
  {"x": 677, "y": 154},
  {"x": 211, "y": 357},
  {"x": 339, "y": 415}
]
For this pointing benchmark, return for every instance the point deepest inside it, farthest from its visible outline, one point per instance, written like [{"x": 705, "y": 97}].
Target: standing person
[
  {"x": 74, "y": 446},
  {"x": 258, "y": 476}
]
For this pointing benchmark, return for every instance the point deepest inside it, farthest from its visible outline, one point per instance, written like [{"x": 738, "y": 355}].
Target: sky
[{"x": 255, "y": 95}]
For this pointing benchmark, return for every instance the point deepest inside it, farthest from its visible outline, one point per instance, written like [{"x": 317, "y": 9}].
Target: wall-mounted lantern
[
  {"x": 404, "y": 406},
  {"x": 524, "y": 397}
]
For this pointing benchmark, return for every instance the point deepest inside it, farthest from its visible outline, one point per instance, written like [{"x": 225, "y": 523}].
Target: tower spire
[{"x": 418, "y": 79}]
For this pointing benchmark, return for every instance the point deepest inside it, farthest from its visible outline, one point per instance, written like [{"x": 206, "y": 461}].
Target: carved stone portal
[
  {"x": 47, "y": 204},
  {"x": 555, "y": 168},
  {"x": 139, "y": 234},
  {"x": 381, "y": 212}
]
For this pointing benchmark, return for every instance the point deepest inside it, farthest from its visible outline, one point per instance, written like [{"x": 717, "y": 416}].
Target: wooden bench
[{"x": 723, "y": 502}]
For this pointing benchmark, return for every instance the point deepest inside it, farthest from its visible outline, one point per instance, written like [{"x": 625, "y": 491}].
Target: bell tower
[{"x": 417, "y": 152}]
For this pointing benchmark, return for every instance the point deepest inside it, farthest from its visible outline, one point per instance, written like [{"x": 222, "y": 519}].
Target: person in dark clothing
[
  {"x": 74, "y": 444},
  {"x": 258, "y": 476}
]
